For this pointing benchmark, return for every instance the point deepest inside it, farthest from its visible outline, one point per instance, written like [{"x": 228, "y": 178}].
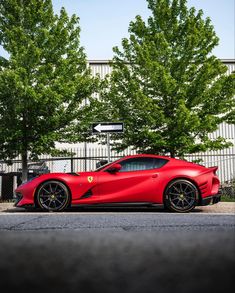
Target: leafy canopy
[
  {"x": 166, "y": 85},
  {"x": 45, "y": 80}
]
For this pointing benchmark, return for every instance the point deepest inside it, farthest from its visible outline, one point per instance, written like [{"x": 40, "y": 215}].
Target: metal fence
[{"x": 81, "y": 159}]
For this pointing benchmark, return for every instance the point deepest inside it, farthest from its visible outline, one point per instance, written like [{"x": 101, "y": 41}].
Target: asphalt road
[
  {"x": 116, "y": 221},
  {"x": 117, "y": 251}
]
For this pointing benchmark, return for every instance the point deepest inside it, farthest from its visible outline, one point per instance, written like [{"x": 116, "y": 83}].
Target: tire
[
  {"x": 52, "y": 196},
  {"x": 181, "y": 196}
]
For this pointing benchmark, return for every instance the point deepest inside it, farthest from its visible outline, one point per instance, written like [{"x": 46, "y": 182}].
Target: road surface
[{"x": 122, "y": 250}]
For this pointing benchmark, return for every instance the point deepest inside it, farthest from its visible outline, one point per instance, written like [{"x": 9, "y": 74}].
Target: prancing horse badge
[{"x": 90, "y": 179}]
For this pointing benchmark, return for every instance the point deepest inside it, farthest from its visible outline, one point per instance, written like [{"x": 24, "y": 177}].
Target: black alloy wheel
[
  {"x": 53, "y": 196},
  {"x": 181, "y": 196}
]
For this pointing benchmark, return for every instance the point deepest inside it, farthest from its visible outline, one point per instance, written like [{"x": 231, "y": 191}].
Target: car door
[{"x": 135, "y": 182}]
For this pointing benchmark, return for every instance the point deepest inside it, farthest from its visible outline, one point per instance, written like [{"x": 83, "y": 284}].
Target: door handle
[{"x": 154, "y": 175}]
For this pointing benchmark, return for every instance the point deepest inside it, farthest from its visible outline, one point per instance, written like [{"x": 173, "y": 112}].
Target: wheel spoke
[
  {"x": 176, "y": 189},
  {"x": 173, "y": 193},
  {"x": 181, "y": 189},
  {"x": 178, "y": 202},
  {"x": 173, "y": 199},
  {"x": 59, "y": 192},
  {"x": 192, "y": 191},
  {"x": 185, "y": 199},
  {"x": 186, "y": 188},
  {"x": 46, "y": 190},
  {"x": 189, "y": 196},
  {"x": 51, "y": 188},
  {"x": 48, "y": 199},
  {"x": 58, "y": 200},
  {"x": 45, "y": 195},
  {"x": 55, "y": 188}
]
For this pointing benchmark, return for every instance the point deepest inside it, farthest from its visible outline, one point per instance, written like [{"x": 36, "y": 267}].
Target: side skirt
[{"x": 121, "y": 204}]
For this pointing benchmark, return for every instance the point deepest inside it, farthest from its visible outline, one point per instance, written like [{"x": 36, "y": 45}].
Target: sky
[{"x": 105, "y": 22}]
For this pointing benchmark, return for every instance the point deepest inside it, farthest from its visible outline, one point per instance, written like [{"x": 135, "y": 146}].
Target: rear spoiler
[
  {"x": 211, "y": 169},
  {"x": 214, "y": 168}
]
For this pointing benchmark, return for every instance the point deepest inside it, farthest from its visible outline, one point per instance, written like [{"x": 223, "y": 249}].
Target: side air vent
[
  {"x": 87, "y": 194},
  {"x": 203, "y": 187}
]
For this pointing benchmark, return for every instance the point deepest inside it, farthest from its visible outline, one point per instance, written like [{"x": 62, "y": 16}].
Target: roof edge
[{"x": 107, "y": 61}]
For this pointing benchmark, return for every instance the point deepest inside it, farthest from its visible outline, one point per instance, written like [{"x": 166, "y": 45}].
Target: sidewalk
[{"x": 221, "y": 207}]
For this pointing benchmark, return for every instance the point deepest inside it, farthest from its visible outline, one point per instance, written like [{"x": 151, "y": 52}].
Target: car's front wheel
[
  {"x": 52, "y": 196},
  {"x": 181, "y": 196}
]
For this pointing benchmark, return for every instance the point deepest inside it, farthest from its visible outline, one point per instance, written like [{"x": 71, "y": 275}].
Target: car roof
[
  {"x": 147, "y": 155},
  {"x": 175, "y": 161}
]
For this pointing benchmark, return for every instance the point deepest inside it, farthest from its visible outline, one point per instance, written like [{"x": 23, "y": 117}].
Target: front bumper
[
  {"x": 21, "y": 202},
  {"x": 17, "y": 198},
  {"x": 211, "y": 199}
]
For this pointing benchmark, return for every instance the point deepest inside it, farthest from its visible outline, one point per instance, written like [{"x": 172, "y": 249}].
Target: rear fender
[{"x": 208, "y": 182}]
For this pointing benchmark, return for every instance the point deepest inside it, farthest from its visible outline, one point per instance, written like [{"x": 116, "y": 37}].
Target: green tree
[
  {"x": 44, "y": 81},
  {"x": 166, "y": 86},
  {"x": 231, "y": 114}
]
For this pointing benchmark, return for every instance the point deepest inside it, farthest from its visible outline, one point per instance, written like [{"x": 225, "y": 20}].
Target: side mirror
[
  {"x": 101, "y": 163},
  {"x": 114, "y": 168}
]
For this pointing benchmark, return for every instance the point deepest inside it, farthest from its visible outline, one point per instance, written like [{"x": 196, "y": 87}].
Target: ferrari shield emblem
[{"x": 90, "y": 179}]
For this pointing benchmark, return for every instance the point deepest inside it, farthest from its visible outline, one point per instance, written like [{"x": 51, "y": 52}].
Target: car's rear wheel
[
  {"x": 181, "y": 196},
  {"x": 53, "y": 196}
]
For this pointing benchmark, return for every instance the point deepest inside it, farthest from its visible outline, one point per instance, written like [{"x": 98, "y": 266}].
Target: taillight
[{"x": 215, "y": 185}]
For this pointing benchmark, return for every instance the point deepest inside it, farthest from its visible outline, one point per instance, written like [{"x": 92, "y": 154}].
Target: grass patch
[
  {"x": 228, "y": 192},
  {"x": 225, "y": 198}
]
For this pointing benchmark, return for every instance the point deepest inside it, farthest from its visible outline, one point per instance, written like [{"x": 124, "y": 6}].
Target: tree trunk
[
  {"x": 172, "y": 153},
  {"x": 24, "y": 161}
]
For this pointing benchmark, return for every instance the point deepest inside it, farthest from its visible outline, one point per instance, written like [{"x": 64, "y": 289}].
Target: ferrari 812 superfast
[{"x": 139, "y": 180}]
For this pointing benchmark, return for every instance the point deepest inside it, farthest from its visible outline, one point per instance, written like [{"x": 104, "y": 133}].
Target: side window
[{"x": 137, "y": 164}]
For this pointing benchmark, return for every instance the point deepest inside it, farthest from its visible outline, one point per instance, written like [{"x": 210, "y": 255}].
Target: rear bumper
[{"x": 211, "y": 199}]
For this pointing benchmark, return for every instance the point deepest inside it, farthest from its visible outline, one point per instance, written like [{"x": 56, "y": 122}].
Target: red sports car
[{"x": 145, "y": 180}]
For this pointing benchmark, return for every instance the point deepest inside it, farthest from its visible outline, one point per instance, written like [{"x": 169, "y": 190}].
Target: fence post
[
  {"x": 108, "y": 146},
  {"x": 72, "y": 160},
  {"x": 85, "y": 155}
]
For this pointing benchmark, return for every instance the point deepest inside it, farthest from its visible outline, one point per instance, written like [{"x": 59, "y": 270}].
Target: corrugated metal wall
[
  {"x": 100, "y": 67},
  {"x": 230, "y": 63}
]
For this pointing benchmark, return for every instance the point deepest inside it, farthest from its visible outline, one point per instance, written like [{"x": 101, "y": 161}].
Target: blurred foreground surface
[{"x": 117, "y": 252}]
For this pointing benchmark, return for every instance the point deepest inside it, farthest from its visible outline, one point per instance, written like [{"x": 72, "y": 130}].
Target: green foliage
[
  {"x": 45, "y": 81},
  {"x": 166, "y": 86}
]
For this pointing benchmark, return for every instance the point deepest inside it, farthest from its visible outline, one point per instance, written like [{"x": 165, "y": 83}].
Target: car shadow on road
[{"x": 98, "y": 210}]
